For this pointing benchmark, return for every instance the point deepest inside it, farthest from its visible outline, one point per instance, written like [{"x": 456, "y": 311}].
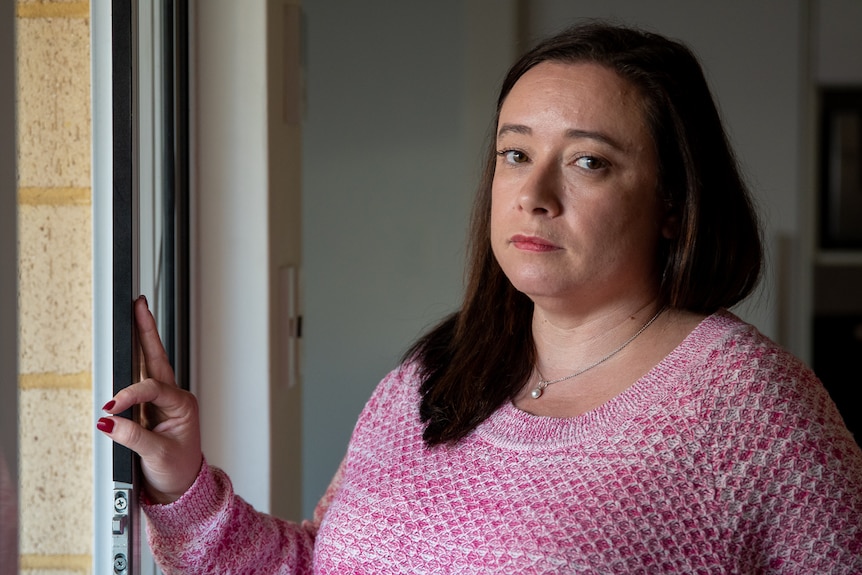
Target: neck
[{"x": 567, "y": 344}]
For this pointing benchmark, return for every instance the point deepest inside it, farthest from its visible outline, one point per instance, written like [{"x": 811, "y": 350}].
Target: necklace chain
[{"x": 537, "y": 391}]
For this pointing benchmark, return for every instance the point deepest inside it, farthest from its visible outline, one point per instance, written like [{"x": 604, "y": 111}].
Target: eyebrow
[{"x": 572, "y": 134}]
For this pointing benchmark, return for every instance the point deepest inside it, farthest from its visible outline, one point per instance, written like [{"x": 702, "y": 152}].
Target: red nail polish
[
  {"x": 105, "y": 424},
  {"x": 108, "y": 406}
]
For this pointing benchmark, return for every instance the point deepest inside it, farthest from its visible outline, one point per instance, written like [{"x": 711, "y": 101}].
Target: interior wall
[
  {"x": 838, "y": 42},
  {"x": 284, "y": 135},
  {"x": 390, "y": 160},
  {"x": 753, "y": 55},
  {"x": 397, "y": 111},
  {"x": 230, "y": 371},
  {"x": 385, "y": 160}
]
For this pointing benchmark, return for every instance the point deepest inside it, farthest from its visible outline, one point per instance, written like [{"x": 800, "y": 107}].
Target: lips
[{"x": 532, "y": 244}]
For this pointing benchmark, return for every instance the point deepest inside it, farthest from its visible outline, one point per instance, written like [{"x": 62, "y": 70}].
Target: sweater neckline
[{"x": 512, "y": 428}]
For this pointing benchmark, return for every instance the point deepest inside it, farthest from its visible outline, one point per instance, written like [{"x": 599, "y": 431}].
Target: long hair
[{"x": 481, "y": 356}]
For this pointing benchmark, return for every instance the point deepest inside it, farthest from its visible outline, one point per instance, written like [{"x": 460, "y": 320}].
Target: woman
[{"x": 592, "y": 407}]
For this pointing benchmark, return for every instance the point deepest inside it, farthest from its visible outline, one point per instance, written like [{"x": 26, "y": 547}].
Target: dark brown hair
[{"x": 481, "y": 356}]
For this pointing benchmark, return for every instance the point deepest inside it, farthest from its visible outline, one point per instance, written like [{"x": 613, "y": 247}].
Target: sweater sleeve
[
  {"x": 788, "y": 472},
  {"x": 210, "y": 529}
]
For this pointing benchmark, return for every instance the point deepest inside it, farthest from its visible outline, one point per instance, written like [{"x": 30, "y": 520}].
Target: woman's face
[{"x": 575, "y": 214}]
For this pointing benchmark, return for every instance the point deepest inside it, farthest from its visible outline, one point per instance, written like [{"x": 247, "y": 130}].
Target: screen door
[{"x": 149, "y": 229}]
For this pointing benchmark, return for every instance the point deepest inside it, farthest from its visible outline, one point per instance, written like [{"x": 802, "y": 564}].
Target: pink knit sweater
[{"x": 727, "y": 457}]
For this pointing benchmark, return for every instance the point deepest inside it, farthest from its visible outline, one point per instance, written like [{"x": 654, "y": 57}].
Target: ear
[
  {"x": 670, "y": 225},
  {"x": 670, "y": 228}
]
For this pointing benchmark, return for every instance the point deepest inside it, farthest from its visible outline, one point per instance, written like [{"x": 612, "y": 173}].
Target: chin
[{"x": 537, "y": 288}]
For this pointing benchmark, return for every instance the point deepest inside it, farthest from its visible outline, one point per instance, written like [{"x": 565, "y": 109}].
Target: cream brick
[
  {"x": 52, "y": 572},
  {"x": 54, "y": 102},
  {"x": 55, "y": 287},
  {"x": 56, "y": 476}
]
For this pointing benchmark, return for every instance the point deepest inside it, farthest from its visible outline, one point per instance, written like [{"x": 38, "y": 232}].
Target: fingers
[
  {"x": 170, "y": 460},
  {"x": 166, "y": 397},
  {"x": 155, "y": 359},
  {"x": 168, "y": 441},
  {"x": 172, "y": 435},
  {"x": 168, "y": 435},
  {"x": 132, "y": 435}
]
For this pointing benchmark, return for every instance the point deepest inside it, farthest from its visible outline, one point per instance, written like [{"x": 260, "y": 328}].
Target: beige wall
[{"x": 55, "y": 287}]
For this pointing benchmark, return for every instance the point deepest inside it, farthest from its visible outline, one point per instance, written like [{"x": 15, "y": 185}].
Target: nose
[{"x": 542, "y": 191}]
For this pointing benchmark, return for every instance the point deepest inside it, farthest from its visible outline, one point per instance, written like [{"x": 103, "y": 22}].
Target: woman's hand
[{"x": 169, "y": 439}]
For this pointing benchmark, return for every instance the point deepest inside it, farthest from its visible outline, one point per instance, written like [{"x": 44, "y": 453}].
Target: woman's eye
[
  {"x": 590, "y": 163},
  {"x": 513, "y": 156}
]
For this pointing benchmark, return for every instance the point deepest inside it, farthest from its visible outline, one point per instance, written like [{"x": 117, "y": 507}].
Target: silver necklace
[{"x": 537, "y": 391}]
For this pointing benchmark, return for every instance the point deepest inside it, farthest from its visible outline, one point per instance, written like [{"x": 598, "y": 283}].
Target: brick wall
[{"x": 55, "y": 287}]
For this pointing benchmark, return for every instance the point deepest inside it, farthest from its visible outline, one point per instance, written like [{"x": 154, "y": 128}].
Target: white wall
[
  {"x": 230, "y": 258},
  {"x": 397, "y": 107}
]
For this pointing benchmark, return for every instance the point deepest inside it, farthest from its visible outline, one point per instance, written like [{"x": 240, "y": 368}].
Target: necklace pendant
[{"x": 536, "y": 393}]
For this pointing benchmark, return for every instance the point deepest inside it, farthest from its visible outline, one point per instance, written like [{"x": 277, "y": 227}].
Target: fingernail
[
  {"x": 108, "y": 406},
  {"x": 143, "y": 297},
  {"x": 105, "y": 424}
]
